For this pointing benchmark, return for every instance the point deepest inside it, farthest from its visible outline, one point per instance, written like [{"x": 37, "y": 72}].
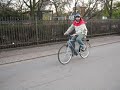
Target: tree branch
[{"x": 26, "y": 3}]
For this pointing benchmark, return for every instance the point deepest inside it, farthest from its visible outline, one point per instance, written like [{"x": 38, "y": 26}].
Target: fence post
[
  {"x": 91, "y": 28},
  {"x": 110, "y": 26},
  {"x": 36, "y": 28}
]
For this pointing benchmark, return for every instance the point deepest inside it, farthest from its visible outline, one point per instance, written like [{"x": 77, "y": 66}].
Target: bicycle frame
[{"x": 70, "y": 44}]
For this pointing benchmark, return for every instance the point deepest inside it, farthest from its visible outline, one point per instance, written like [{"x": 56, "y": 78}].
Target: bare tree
[
  {"x": 6, "y": 4},
  {"x": 31, "y": 4},
  {"x": 91, "y": 8},
  {"x": 19, "y": 4},
  {"x": 35, "y": 6},
  {"x": 60, "y": 5},
  {"x": 76, "y": 1}
]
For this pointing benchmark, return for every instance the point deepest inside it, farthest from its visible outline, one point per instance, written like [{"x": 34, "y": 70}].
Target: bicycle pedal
[{"x": 75, "y": 54}]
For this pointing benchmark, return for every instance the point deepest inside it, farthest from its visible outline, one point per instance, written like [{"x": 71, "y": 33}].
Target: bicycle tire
[
  {"x": 64, "y": 54},
  {"x": 85, "y": 53}
]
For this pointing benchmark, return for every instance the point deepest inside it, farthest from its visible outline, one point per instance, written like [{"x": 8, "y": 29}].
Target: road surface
[{"x": 100, "y": 71}]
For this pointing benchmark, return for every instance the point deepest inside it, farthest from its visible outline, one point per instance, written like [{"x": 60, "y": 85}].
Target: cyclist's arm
[
  {"x": 85, "y": 30},
  {"x": 70, "y": 29}
]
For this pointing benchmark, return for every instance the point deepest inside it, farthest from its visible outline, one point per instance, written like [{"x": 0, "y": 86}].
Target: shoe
[
  {"x": 83, "y": 49},
  {"x": 74, "y": 54}
]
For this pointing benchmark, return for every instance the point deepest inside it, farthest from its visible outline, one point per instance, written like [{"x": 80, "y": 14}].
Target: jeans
[{"x": 79, "y": 40}]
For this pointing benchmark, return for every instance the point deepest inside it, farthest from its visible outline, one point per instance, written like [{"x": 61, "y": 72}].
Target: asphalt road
[{"x": 100, "y": 71}]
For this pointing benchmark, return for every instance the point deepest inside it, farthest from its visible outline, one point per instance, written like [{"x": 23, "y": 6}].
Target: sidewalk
[{"x": 17, "y": 55}]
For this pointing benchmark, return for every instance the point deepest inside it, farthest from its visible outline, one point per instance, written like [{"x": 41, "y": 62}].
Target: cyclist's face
[{"x": 77, "y": 18}]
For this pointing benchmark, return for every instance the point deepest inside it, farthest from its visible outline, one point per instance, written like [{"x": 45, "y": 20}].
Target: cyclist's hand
[
  {"x": 84, "y": 36},
  {"x": 74, "y": 34},
  {"x": 65, "y": 34}
]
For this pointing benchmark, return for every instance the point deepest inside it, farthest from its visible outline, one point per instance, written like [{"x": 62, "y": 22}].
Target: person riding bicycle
[{"x": 80, "y": 31}]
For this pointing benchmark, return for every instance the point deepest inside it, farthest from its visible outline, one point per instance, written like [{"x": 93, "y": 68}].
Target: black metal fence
[{"x": 17, "y": 32}]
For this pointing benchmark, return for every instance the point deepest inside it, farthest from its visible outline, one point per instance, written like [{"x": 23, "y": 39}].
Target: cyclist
[{"x": 80, "y": 31}]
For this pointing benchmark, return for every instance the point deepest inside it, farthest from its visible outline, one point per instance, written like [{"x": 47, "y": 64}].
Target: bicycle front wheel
[{"x": 64, "y": 54}]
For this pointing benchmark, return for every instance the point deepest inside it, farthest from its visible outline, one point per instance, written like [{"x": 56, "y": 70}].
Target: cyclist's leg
[
  {"x": 79, "y": 40},
  {"x": 72, "y": 41}
]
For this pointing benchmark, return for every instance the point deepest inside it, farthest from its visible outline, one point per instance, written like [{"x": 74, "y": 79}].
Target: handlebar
[{"x": 70, "y": 36}]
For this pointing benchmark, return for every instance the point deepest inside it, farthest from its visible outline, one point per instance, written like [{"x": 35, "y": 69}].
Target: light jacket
[{"x": 79, "y": 27}]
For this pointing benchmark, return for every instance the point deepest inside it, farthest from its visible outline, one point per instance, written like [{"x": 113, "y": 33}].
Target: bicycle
[{"x": 66, "y": 52}]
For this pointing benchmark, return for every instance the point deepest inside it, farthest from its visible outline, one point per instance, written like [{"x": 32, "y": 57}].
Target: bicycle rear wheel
[
  {"x": 64, "y": 54},
  {"x": 85, "y": 53}
]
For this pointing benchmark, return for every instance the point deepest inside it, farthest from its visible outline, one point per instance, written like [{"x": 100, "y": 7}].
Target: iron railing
[{"x": 18, "y": 32}]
